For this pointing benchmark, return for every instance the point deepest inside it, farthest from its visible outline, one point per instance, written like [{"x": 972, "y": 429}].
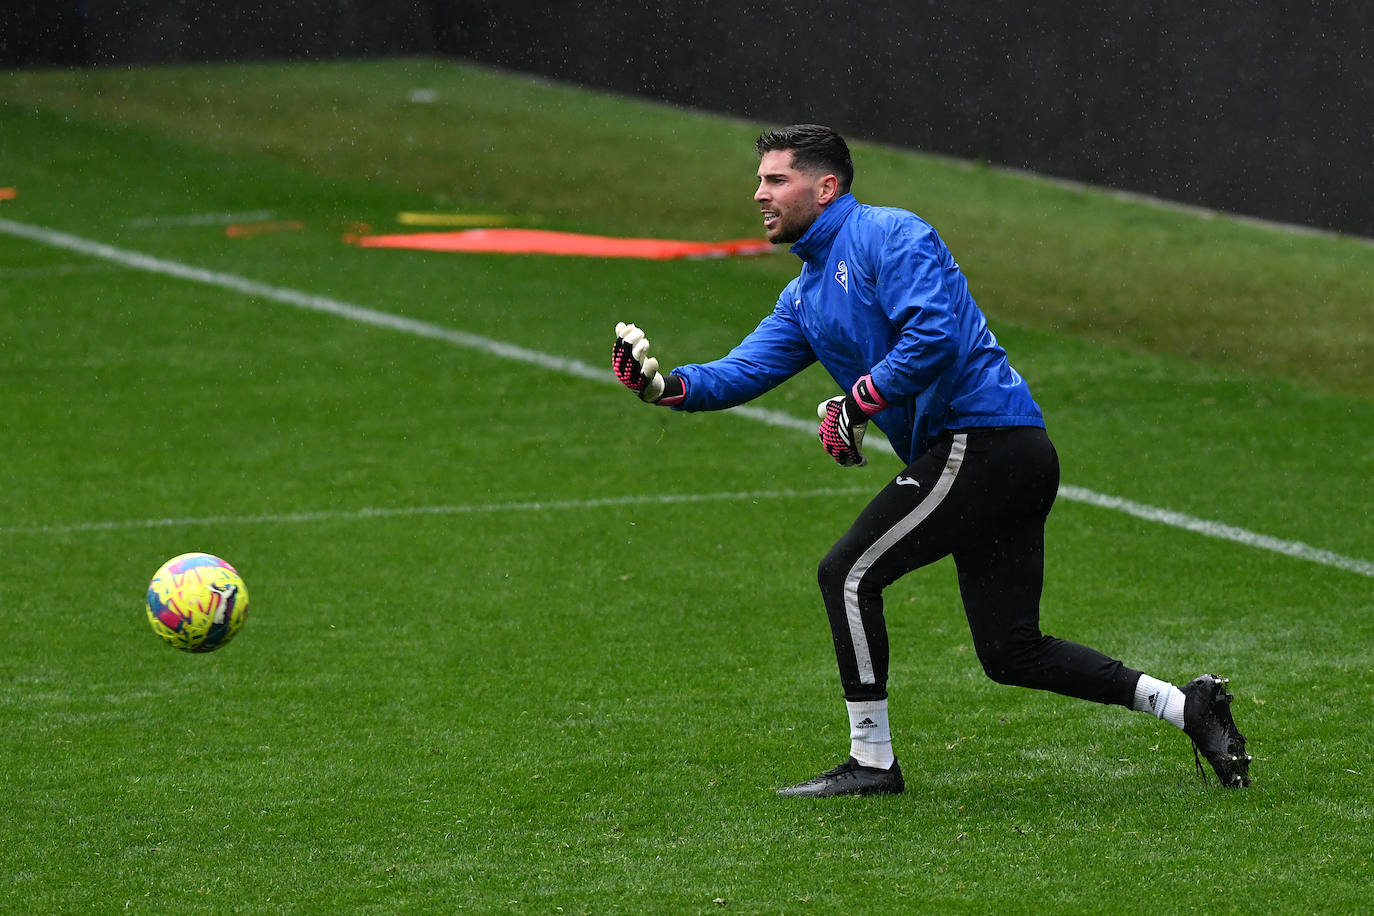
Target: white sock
[
  {"x": 1159, "y": 698},
  {"x": 870, "y": 739}
]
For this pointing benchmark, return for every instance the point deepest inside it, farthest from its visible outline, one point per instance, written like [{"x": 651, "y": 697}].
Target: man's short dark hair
[{"x": 814, "y": 148}]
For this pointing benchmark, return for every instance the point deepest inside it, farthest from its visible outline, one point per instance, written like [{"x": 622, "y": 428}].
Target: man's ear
[{"x": 827, "y": 189}]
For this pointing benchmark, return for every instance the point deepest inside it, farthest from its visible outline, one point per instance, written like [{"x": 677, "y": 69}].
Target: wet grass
[
  {"x": 1217, "y": 291},
  {"x": 519, "y": 643}
]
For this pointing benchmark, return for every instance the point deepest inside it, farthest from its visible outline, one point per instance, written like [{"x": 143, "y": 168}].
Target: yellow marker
[{"x": 451, "y": 219}]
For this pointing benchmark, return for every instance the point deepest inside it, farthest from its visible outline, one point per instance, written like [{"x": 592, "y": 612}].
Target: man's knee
[
  {"x": 833, "y": 571},
  {"x": 1010, "y": 660}
]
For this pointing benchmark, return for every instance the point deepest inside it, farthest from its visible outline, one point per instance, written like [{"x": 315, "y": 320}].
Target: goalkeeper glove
[
  {"x": 844, "y": 420},
  {"x": 638, "y": 371}
]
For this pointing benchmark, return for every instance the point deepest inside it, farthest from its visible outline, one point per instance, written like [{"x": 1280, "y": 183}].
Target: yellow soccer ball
[{"x": 197, "y": 602}]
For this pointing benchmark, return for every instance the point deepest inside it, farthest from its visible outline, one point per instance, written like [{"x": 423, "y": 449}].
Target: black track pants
[{"x": 983, "y": 496}]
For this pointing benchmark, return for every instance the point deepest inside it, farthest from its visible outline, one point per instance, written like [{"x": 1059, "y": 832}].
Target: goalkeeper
[{"x": 883, "y": 306}]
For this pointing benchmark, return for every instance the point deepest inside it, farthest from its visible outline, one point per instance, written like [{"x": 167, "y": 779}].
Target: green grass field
[{"x": 520, "y": 644}]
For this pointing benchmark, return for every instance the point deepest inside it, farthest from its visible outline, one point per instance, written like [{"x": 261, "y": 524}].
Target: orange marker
[{"x": 247, "y": 230}]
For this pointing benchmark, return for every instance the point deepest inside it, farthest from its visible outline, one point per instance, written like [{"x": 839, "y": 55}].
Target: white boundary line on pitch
[
  {"x": 1218, "y": 530},
  {"x": 329, "y": 515},
  {"x": 579, "y": 369},
  {"x": 201, "y": 219}
]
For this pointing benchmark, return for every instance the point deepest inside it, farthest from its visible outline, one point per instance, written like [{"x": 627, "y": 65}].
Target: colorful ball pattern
[{"x": 197, "y": 602}]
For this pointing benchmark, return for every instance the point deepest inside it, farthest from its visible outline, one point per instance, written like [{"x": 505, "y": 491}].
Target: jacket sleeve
[
  {"x": 921, "y": 288},
  {"x": 772, "y": 353}
]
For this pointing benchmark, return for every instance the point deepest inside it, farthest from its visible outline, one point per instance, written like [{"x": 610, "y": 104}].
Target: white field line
[
  {"x": 608, "y": 502},
  {"x": 578, "y": 369},
  {"x": 202, "y": 219},
  {"x": 1218, "y": 530}
]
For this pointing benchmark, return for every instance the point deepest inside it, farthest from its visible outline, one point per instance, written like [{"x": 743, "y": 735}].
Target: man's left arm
[
  {"x": 920, "y": 285},
  {"x": 914, "y": 272}
]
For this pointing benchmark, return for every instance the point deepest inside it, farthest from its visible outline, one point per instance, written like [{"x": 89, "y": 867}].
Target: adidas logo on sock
[
  {"x": 1154, "y": 703},
  {"x": 866, "y": 723}
]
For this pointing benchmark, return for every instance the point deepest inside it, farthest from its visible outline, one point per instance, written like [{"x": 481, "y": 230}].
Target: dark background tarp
[{"x": 1253, "y": 106}]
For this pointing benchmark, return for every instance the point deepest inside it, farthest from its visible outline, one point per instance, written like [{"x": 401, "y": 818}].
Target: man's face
[{"x": 789, "y": 200}]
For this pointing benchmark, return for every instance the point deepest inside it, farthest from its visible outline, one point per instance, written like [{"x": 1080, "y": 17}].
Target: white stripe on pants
[{"x": 885, "y": 543}]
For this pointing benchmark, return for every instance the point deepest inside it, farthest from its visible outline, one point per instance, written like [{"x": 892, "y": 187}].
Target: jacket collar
[{"x": 814, "y": 246}]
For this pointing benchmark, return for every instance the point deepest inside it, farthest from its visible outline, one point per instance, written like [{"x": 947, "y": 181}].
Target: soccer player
[{"x": 883, "y": 306}]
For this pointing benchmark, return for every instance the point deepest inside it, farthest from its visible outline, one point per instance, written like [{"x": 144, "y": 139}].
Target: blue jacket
[{"x": 880, "y": 294}]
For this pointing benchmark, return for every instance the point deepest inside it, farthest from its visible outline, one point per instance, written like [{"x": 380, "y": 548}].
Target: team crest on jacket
[{"x": 842, "y": 275}]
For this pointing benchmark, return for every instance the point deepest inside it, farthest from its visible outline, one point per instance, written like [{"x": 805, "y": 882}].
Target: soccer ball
[{"x": 197, "y": 602}]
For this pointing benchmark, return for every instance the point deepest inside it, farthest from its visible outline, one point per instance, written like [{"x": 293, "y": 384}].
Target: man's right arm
[{"x": 772, "y": 353}]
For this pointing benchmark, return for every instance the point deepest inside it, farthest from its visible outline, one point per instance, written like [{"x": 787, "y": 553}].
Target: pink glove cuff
[{"x": 866, "y": 395}]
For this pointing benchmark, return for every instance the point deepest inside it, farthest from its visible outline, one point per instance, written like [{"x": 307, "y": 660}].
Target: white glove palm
[{"x": 632, "y": 364}]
